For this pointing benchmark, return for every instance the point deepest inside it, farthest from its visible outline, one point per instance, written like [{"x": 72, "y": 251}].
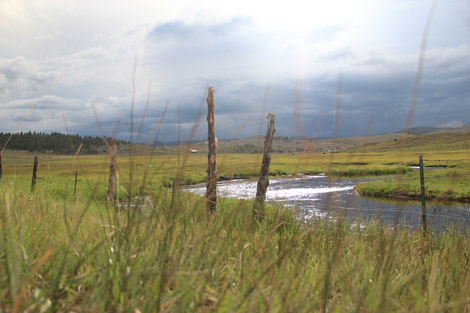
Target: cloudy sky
[{"x": 70, "y": 59}]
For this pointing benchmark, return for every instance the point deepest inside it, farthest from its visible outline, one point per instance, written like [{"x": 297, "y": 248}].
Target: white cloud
[
  {"x": 23, "y": 78},
  {"x": 240, "y": 47}
]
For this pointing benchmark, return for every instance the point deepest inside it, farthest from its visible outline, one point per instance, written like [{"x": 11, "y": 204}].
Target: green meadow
[{"x": 67, "y": 250}]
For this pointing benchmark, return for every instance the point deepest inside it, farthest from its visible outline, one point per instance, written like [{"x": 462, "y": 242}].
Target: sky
[{"x": 142, "y": 68}]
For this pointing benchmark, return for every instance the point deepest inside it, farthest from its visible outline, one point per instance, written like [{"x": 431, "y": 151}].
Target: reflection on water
[{"x": 320, "y": 196}]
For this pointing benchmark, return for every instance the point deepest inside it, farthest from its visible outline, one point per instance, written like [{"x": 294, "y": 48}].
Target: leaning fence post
[
  {"x": 263, "y": 181},
  {"x": 423, "y": 194},
  {"x": 112, "y": 175},
  {"x": 35, "y": 169},
  {"x": 211, "y": 191}
]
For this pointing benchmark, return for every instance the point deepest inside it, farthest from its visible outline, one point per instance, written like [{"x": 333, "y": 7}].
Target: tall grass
[{"x": 169, "y": 255}]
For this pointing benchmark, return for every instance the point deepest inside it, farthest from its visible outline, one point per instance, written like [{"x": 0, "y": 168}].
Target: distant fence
[{"x": 431, "y": 215}]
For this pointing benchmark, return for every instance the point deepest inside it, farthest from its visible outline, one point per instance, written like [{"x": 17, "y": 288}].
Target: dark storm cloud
[{"x": 382, "y": 96}]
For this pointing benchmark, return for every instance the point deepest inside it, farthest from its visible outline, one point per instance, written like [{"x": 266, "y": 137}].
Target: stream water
[{"x": 324, "y": 197}]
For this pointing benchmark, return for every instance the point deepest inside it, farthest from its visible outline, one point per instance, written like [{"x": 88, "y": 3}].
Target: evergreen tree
[{"x": 54, "y": 142}]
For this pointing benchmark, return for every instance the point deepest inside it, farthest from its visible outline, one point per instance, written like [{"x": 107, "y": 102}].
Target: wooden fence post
[
  {"x": 211, "y": 187},
  {"x": 35, "y": 169},
  {"x": 263, "y": 181},
  {"x": 112, "y": 175},
  {"x": 423, "y": 194}
]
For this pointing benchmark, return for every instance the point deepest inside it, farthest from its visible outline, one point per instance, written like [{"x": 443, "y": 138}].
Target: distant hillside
[
  {"x": 422, "y": 130},
  {"x": 284, "y": 144},
  {"x": 455, "y": 139},
  {"x": 55, "y": 143},
  {"x": 172, "y": 143},
  {"x": 438, "y": 139},
  {"x": 417, "y": 139}
]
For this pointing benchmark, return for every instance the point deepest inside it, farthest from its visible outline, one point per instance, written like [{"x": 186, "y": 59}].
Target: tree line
[{"x": 55, "y": 143}]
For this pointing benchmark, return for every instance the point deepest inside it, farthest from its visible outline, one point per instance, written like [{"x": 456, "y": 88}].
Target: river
[{"x": 325, "y": 197}]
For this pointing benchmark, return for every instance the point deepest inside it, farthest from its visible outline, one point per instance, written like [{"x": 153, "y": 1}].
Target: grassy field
[
  {"x": 441, "y": 186},
  {"x": 416, "y": 139},
  {"x": 162, "y": 252},
  {"x": 450, "y": 140},
  {"x": 450, "y": 183}
]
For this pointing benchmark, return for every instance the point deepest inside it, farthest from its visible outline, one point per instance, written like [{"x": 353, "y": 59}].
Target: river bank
[
  {"x": 319, "y": 196},
  {"x": 441, "y": 186}
]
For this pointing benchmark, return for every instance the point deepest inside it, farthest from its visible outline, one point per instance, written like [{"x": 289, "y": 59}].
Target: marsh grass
[
  {"x": 447, "y": 184},
  {"x": 166, "y": 254}
]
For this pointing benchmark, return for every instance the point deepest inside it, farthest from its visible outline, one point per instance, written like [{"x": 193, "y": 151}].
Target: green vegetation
[
  {"x": 441, "y": 186},
  {"x": 355, "y": 172},
  {"x": 423, "y": 130},
  {"x": 417, "y": 139},
  {"x": 436, "y": 141},
  {"x": 449, "y": 182},
  {"x": 167, "y": 254},
  {"x": 162, "y": 252},
  {"x": 55, "y": 143},
  {"x": 159, "y": 169}
]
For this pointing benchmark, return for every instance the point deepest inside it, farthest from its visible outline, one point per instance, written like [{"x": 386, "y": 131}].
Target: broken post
[
  {"x": 211, "y": 191},
  {"x": 263, "y": 181},
  {"x": 35, "y": 170},
  {"x": 112, "y": 175}
]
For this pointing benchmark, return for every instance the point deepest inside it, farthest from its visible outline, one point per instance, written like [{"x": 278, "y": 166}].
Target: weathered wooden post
[
  {"x": 423, "y": 194},
  {"x": 211, "y": 191},
  {"x": 112, "y": 175},
  {"x": 35, "y": 170},
  {"x": 263, "y": 181}
]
